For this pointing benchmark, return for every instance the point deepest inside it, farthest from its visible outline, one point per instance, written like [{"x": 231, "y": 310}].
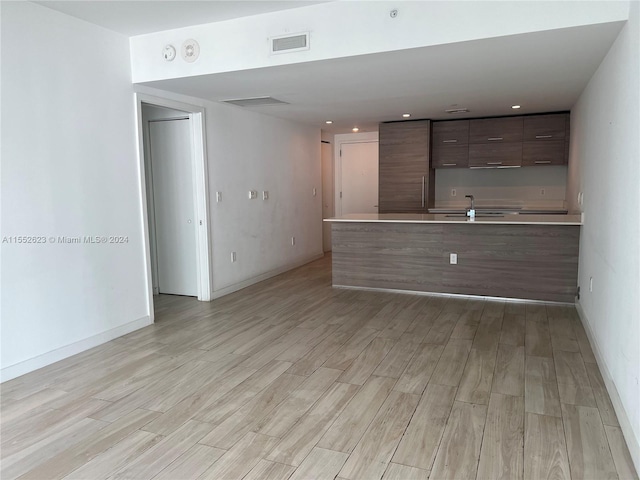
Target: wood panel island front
[{"x": 533, "y": 257}]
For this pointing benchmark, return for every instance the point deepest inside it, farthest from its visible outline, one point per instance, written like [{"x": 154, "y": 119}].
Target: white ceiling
[
  {"x": 137, "y": 17},
  {"x": 542, "y": 71}
]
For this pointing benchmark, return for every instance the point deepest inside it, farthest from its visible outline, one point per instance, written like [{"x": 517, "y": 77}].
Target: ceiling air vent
[
  {"x": 289, "y": 43},
  {"x": 255, "y": 101},
  {"x": 457, "y": 110}
]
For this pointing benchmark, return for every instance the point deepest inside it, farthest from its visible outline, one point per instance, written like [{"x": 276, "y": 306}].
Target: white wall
[
  {"x": 69, "y": 168},
  {"x": 604, "y": 125},
  {"x": 503, "y": 187},
  {"x": 342, "y": 29},
  {"x": 249, "y": 151}
]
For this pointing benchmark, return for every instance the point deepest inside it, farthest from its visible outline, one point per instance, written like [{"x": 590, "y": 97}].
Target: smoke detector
[
  {"x": 169, "y": 53},
  {"x": 190, "y": 50}
]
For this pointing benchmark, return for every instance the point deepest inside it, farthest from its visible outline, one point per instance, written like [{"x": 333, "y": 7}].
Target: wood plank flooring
[{"x": 292, "y": 379}]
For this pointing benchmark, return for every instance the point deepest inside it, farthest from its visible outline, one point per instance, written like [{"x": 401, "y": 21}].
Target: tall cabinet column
[{"x": 406, "y": 181}]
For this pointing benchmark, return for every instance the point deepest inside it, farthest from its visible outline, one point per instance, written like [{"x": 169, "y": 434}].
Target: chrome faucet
[
  {"x": 471, "y": 212},
  {"x": 472, "y": 201}
]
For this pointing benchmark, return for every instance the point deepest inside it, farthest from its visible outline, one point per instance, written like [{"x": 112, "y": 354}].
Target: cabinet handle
[
  {"x": 494, "y": 163},
  {"x": 449, "y": 141},
  {"x": 544, "y": 136},
  {"x": 449, "y": 164},
  {"x": 423, "y": 189},
  {"x": 494, "y": 139},
  {"x": 542, "y": 162}
]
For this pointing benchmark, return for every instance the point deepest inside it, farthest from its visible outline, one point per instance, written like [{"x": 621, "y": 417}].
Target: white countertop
[{"x": 508, "y": 219}]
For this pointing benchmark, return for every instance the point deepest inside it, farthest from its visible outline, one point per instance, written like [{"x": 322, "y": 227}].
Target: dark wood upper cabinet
[
  {"x": 451, "y": 132},
  {"x": 551, "y": 152},
  {"x": 495, "y": 155},
  {"x": 495, "y": 142},
  {"x": 450, "y": 156},
  {"x": 496, "y": 130},
  {"x": 531, "y": 140},
  {"x": 545, "y": 139},
  {"x": 450, "y": 144},
  {"x": 545, "y": 127},
  {"x": 406, "y": 183}
]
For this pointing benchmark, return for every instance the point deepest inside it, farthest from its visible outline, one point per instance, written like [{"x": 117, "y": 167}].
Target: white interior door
[
  {"x": 327, "y": 194},
  {"x": 173, "y": 200},
  {"x": 359, "y": 177}
]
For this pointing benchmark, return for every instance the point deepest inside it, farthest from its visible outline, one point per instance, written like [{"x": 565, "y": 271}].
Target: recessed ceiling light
[
  {"x": 329, "y": 122},
  {"x": 355, "y": 129},
  {"x": 406, "y": 115},
  {"x": 515, "y": 107}
]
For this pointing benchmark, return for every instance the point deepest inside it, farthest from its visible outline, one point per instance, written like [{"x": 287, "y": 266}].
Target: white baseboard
[
  {"x": 264, "y": 276},
  {"x": 632, "y": 440},
  {"x": 26, "y": 366}
]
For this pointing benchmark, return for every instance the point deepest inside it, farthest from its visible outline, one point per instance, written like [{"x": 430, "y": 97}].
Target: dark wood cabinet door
[
  {"x": 546, "y": 139},
  {"x": 545, "y": 127},
  {"x": 450, "y": 133},
  {"x": 496, "y": 130},
  {"x": 450, "y": 156},
  {"x": 550, "y": 152},
  {"x": 405, "y": 179},
  {"x": 487, "y": 155}
]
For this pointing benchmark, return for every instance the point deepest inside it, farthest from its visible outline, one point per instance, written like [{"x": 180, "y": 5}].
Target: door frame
[
  {"x": 196, "y": 116},
  {"x": 339, "y": 140},
  {"x": 328, "y": 183}
]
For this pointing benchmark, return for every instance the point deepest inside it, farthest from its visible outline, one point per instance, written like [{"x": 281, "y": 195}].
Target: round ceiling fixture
[
  {"x": 169, "y": 53},
  {"x": 190, "y": 50}
]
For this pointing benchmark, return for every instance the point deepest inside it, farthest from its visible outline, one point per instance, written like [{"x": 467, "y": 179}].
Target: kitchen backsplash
[{"x": 531, "y": 187}]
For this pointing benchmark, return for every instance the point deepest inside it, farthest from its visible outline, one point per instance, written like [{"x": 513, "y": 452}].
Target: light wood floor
[{"x": 291, "y": 379}]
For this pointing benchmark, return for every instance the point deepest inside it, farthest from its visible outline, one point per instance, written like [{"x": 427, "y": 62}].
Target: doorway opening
[
  {"x": 174, "y": 198},
  {"x": 356, "y": 173}
]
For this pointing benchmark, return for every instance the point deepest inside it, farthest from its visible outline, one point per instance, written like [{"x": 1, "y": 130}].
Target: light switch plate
[
  {"x": 253, "y": 194},
  {"x": 453, "y": 258},
  {"x": 265, "y": 195}
]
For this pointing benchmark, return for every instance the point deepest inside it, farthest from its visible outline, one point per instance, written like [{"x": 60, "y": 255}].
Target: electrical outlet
[
  {"x": 218, "y": 197},
  {"x": 453, "y": 258},
  {"x": 453, "y": 192},
  {"x": 265, "y": 195},
  {"x": 233, "y": 257},
  {"x": 542, "y": 192},
  {"x": 293, "y": 241},
  {"x": 253, "y": 194}
]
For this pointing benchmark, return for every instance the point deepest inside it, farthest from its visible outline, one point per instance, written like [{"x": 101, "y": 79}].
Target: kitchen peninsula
[{"x": 514, "y": 256}]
